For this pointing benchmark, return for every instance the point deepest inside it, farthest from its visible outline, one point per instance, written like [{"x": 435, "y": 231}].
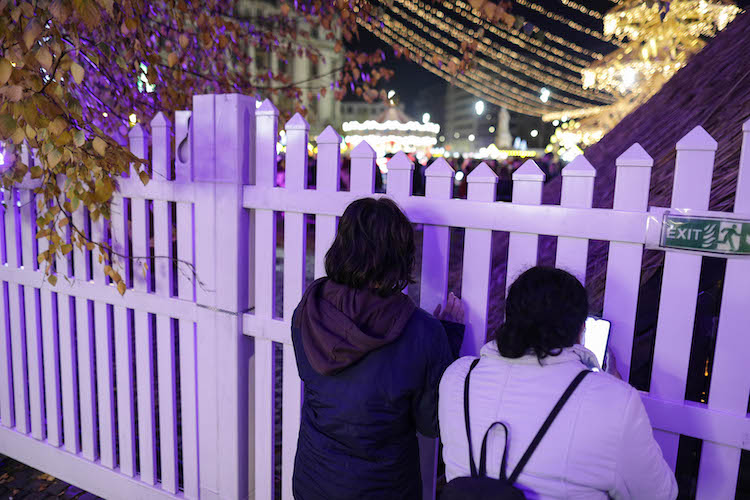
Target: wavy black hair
[
  {"x": 545, "y": 312},
  {"x": 374, "y": 247}
]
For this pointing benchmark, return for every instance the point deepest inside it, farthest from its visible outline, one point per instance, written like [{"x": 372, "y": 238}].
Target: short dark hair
[
  {"x": 374, "y": 247},
  {"x": 545, "y": 311}
]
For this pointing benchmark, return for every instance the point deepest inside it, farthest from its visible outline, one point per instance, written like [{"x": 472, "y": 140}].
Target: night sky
[{"x": 410, "y": 78}]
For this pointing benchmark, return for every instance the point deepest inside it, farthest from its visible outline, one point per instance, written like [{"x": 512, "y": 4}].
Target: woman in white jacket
[{"x": 600, "y": 445}]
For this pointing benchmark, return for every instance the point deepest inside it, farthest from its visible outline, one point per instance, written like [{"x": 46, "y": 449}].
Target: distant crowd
[{"x": 463, "y": 167}]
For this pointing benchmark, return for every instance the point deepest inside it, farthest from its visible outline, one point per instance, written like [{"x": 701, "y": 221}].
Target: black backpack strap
[
  {"x": 545, "y": 426},
  {"x": 472, "y": 465},
  {"x": 483, "y": 457}
]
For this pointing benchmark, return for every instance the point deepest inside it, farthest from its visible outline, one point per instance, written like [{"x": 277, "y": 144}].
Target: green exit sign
[{"x": 706, "y": 234}]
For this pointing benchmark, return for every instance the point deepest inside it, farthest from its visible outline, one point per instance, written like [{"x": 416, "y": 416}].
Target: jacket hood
[{"x": 340, "y": 325}]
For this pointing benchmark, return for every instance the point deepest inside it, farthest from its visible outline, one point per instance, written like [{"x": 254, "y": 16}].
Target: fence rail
[{"x": 170, "y": 391}]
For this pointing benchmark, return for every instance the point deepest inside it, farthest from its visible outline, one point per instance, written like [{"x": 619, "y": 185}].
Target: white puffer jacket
[{"x": 601, "y": 444}]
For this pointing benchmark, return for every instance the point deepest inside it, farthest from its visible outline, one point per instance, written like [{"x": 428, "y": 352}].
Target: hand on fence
[{"x": 454, "y": 310}]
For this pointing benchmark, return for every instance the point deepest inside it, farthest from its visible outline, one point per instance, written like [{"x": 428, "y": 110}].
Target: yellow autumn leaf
[
  {"x": 31, "y": 33},
  {"x": 121, "y": 287},
  {"x": 6, "y": 69},
  {"x": 18, "y": 136},
  {"x": 52, "y": 279},
  {"x": 14, "y": 93},
  {"x": 184, "y": 41},
  {"x": 57, "y": 126},
  {"x": 77, "y": 71},
  {"x": 79, "y": 138},
  {"x": 54, "y": 157},
  {"x": 99, "y": 146},
  {"x": 172, "y": 59},
  {"x": 44, "y": 57},
  {"x": 143, "y": 175}
]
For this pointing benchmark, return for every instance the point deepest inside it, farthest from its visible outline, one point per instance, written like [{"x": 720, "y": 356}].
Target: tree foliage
[{"x": 74, "y": 74}]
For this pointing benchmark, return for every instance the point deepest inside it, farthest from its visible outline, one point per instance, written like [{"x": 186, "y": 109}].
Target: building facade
[{"x": 322, "y": 110}]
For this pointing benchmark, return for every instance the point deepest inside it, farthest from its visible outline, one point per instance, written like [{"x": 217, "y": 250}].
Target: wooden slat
[
  {"x": 433, "y": 290},
  {"x": 144, "y": 375},
  {"x": 163, "y": 223},
  {"x": 679, "y": 289},
  {"x": 16, "y": 315},
  {"x": 104, "y": 355},
  {"x": 143, "y": 331},
  {"x": 35, "y": 365},
  {"x": 624, "y": 260},
  {"x": 436, "y": 239},
  {"x": 294, "y": 282},
  {"x": 528, "y": 181},
  {"x": 188, "y": 391},
  {"x": 328, "y": 179},
  {"x": 265, "y": 245},
  {"x": 51, "y": 355},
  {"x": 69, "y": 372},
  {"x": 477, "y": 264},
  {"x": 595, "y": 223},
  {"x": 185, "y": 242},
  {"x": 7, "y": 412},
  {"x": 730, "y": 385},
  {"x": 577, "y": 191},
  {"x": 125, "y": 385},
  {"x": 123, "y": 328},
  {"x": 85, "y": 344},
  {"x": 165, "y": 349}
]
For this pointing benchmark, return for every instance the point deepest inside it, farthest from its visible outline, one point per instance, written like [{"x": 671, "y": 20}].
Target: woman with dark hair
[
  {"x": 370, "y": 361},
  {"x": 600, "y": 445}
]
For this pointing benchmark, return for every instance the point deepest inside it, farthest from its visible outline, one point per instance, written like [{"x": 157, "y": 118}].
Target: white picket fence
[{"x": 168, "y": 392}]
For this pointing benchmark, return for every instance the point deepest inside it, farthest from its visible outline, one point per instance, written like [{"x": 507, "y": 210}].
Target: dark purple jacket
[{"x": 371, "y": 368}]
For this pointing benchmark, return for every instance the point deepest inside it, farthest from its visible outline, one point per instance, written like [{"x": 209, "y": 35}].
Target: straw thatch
[{"x": 713, "y": 91}]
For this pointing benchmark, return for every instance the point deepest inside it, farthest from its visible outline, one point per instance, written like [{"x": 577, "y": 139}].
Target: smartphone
[{"x": 596, "y": 337}]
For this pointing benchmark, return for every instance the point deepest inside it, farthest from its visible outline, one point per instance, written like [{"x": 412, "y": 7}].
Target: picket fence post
[
  {"x": 679, "y": 289},
  {"x": 528, "y": 182},
  {"x": 295, "y": 245},
  {"x": 262, "y": 370},
  {"x": 328, "y": 179},
  {"x": 475, "y": 285},
  {"x": 578, "y": 192},
  {"x": 730, "y": 385},
  {"x": 433, "y": 290},
  {"x": 624, "y": 262},
  {"x": 222, "y": 158}
]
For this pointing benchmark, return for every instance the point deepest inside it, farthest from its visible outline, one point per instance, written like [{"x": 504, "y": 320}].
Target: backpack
[{"x": 479, "y": 486}]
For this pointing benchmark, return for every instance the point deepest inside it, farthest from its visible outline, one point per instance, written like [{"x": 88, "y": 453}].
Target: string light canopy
[
  {"x": 658, "y": 39},
  {"x": 515, "y": 64},
  {"x": 657, "y": 44}
]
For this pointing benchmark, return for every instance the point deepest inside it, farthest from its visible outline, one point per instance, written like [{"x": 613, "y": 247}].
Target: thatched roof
[{"x": 712, "y": 90}]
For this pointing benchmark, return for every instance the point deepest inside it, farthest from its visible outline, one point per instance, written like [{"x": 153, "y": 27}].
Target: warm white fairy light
[
  {"x": 391, "y": 125},
  {"x": 530, "y": 67}
]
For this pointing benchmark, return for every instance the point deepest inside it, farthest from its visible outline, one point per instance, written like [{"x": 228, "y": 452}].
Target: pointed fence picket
[
  {"x": 80, "y": 365},
  {"x": 624, "y": 259},
  {"x": 719, "y": 462},
  {"x": 528, "y": 181},
  {"x": 433, "y": 288},
  {"x": 577, "y": 191},
  {"x": 265, "y": 299},
  {"x": 329, "y": 175},
  {"x": 679, "y": 289},
  {"x": 295, "y": 245}
]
